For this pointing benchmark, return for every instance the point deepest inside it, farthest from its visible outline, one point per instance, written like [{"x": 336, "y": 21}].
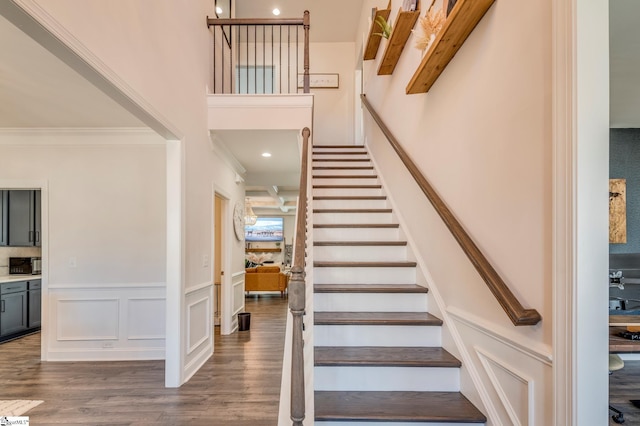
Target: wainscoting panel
[
  {"x": 199, "y": 332},
  {"x": 514, "y": 390},
  {"x": 238, "y": 295},
  {"x": 513, "y": 373},
  {"x": 100, "y": 319},
  {"x": 112, "y": 322},
  {"x": 140, "y": 325}
]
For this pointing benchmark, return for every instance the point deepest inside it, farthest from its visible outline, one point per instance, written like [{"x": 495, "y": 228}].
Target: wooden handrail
[
  {"x": 297, "y": 292},
  {"x": 511, "y": 305},
  {"x": 254, "y": 21}
]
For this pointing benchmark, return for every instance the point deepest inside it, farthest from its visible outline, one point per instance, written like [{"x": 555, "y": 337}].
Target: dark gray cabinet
[
  {"x": 13, "y": 308},
  {"x": 4, "y": 218},
  {"x": 24, "y": 218},
  {"x": 34, "y": 296}
]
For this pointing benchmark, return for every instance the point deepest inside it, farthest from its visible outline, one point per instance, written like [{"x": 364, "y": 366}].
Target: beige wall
[{"x": 482, "y": 137}]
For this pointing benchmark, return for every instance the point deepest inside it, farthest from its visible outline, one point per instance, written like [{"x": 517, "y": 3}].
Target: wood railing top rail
[
  {"x": 254, "y": 21},
  {"x": 511, "y": 305}
]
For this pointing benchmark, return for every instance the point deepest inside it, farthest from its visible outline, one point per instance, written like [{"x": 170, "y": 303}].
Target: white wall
[
  {"x": 333, "y": 108},
  {"x": 103, "y": 238},
  {"x": 160, "y": 55},
  {"x": 481, "y": 136}
]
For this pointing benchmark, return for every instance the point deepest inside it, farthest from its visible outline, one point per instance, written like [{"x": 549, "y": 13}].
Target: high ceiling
[{"x": 38, "y": 90}]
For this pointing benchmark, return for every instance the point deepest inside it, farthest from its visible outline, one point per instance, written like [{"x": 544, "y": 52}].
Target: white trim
[
  {"x": 198, "y": 287},
  {"x": 106, "y": 286},
  {"x": 539, "y": 352},
  {"x": 563, "y": 221},
  {"x": 78, "y": 137},
  {"x": 237, "y": 274},
  {"x": 244, "y": 101},
  {"x": 486, "y": 358},
  {"x": 59, "y": 332},
  {"x": 102, "y": 354},
  {"x": 175, "y": 244}
]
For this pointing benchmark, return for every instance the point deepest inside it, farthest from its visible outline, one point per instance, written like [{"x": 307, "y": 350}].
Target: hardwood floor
[
  {"x": 624, "y": 385},
  {"x": 239, "y": 385}
]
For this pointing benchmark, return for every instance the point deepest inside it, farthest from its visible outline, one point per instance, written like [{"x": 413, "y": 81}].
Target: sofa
[{"x": 265, "y": 278}]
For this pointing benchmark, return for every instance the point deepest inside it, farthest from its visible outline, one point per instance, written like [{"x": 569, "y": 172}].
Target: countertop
[{"x": 14, "y": 278}]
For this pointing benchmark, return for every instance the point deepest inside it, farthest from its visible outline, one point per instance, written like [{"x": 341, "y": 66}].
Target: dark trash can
[{"x": 244, "y": 321}]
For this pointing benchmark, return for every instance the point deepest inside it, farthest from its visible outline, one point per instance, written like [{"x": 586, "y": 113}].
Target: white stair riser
[
  {"x": 342, "y": 148},
  {"x": 341, "y": 163},
  {"x": 340, "y": 423},
  {"x": 340, "y": 172},
  {"x": 346, "y": 191},
  {"x": 340, "y": 157},
  {"x": 350, "y": 204},
  {"x": 360, "y": 253},
  {"x": 368, "y": 180},
  {"x": 370, "y": 302},
  {"x": 356, "y": 234},
  {"x": 416, "y": 379},
  {"x": 369, "y": 275},
  {"x": 377, "y": 335},
  {"x": 340, "y": 218}
]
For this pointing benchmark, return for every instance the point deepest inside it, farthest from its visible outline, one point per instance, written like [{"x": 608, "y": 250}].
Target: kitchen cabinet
[
  {"x": 24, "y": 218},
  {"x": 34, "y": 296},
  {"x": 13, "y": 308},
  {"x": 4, "y": 218}
]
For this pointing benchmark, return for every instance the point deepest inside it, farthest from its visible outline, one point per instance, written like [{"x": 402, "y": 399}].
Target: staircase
[{"x": 378, "y": 355}]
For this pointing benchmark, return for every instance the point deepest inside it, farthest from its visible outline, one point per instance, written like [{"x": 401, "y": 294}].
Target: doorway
[{"x": 218, "y": 257}]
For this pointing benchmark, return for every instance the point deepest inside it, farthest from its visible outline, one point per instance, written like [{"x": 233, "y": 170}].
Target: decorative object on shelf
[
  {"x": 430, "y": 24},
  {"x": 250, "y": 217},
  {"x": 238, "y": 221},
  {"x": 617, "y": 211},
  {"x": 464, "y": 17},
  {"x": 385, "y": 27},
  {"x": 373, "y": 42},
  {"x": 403, "y": 24}
]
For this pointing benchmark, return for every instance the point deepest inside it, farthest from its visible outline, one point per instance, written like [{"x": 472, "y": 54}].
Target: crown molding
[{"x": 220, "y": 149}]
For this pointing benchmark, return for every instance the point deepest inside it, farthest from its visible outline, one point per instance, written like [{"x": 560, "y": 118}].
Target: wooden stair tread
[
  {"x": 396, "y": 406},
  {"x": 384, "y": 356},
  {"x": 358, "y": 243},
  {"x": 345, "y": 177},
  {"x": 364, "y": 264},
  {"x": 340, "y": 159},
  {"x": 352, "y": 210},
  {"x": 339, "y": 153},
  {"x": 356, "y": 225},
  {"x": 375, "y": 318},
  {"x": 337, "y": 146},
  {"x": 350, "y": 197},
  {"x": 347, "y": 186},
  {"x": 369, "y": 288}
]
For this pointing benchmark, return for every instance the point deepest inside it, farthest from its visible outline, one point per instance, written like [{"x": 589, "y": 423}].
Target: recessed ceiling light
[
  {"x": 276, "y": 11},
  {"x": 218, "y": 10},
  {"x": 266, "y": 154}
]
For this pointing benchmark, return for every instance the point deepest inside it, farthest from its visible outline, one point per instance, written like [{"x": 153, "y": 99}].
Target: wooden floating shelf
[
  {"x": 373, "y": 41},
  {"x": 461, "y": 21},
  {"x": 399, "y": 35},
  {"x": 263, "y": 250}
]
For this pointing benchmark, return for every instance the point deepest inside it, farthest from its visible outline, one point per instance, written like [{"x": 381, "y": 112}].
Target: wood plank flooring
[
  {"x": 624, "y": 385},
  {"x": 239, "y": 385}
]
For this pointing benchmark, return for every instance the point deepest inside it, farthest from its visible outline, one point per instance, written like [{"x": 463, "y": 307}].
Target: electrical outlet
[
  {"x": 73, "y": 262},
  {"x": 107, "y": 345},
  {"x": 205, "y": 261}
]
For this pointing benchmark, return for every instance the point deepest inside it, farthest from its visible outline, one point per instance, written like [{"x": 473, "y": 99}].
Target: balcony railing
[{"x": 260, "y": 56}]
